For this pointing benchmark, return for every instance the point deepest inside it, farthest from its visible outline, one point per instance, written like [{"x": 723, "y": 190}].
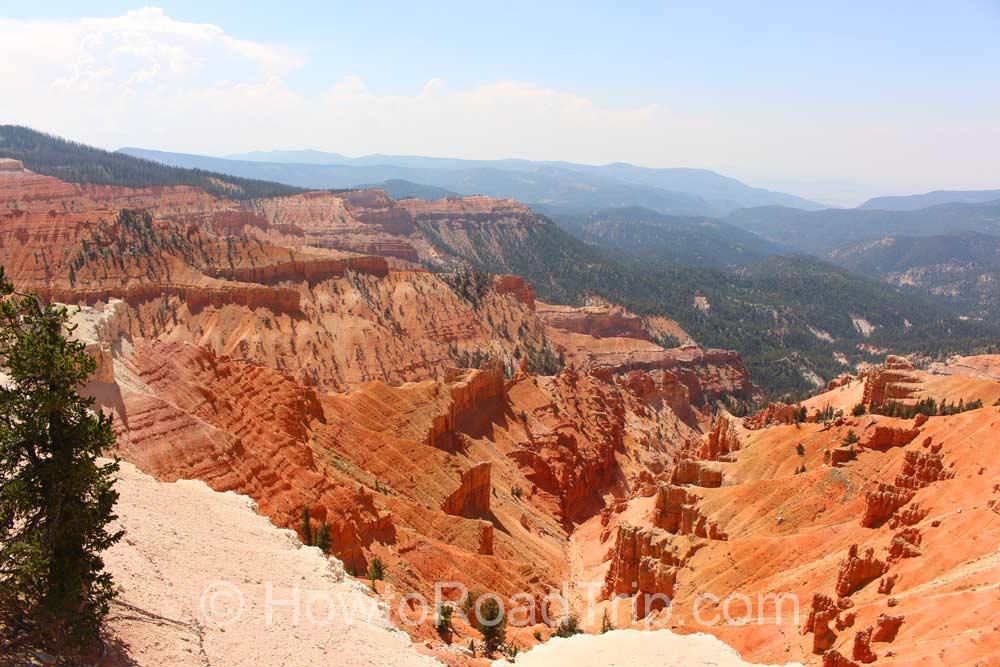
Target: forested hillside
[
  {"x": 78, "y": 163},
  {"x": 797, "y": 321}
]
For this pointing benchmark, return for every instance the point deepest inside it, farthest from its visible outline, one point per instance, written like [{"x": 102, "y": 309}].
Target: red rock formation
[
  {"x": 676, "y": 511},
  {"x": 721, "y": 441},
  {"x": 835, "y": 659},
  {"x": 886, "y": 628},
  {"x": 472, "y": 498},
  {"x": 516, "y": 286},
  {"x": 862, "y": 651},
  {"x": 893, "y": 381},
  {"x": 644, "y": 561},
  {"x": 821, "y": 614},
  {"x": 905, "y": 544},
  {"x": 772, "y": 414},
  {"x": 881, "y": 503},
  {"x": 858, "y": 571},
  {"x": 887, "y": 437},
  {"x": 698, "y": 473}
]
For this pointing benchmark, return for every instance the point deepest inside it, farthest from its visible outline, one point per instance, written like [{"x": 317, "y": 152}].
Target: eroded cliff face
[
  {"x": 864, "y": 544},
  {"x": 291, "y": 349}
]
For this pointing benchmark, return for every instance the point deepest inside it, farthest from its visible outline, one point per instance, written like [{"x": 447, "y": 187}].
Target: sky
[{"x": 832, "y": 101}]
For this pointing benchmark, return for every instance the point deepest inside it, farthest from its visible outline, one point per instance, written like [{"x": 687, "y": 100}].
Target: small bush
[
  {"x": 606, "y": 624},
  {"x": 376, "y": 570},
  {"x": 443, "y": 625},
  {"x": 568, "y": 626},
  {"x": 859, "y": 410},
  {"x": 492, "y": 625}
]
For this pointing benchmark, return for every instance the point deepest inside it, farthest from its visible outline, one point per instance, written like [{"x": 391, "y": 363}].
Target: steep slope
[
  {"x": 778, "y": 314},
  {"x": 888, "y": 544},
  {"x": 927, "y": 199},
  {"x": 962, "y": 267},
  {"x": 703, "y": 242},
  {"x": 196, "y": 569}
]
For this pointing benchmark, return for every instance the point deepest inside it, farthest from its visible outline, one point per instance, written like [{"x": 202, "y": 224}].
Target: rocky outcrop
[
  {"x": 834, "y": 658},
  {"x": 886, "y": 627},
  {"x": 862, "y": 649},
  {"x": 517, "y": 287},
  {"x": 722, "y": 441},
  {"x": 472, "y": 394},
  {"x": 892, "y": 381},
  {"x": 882, "y": 502},
  {"x": 697, "y": 473},
  {"x": 857, "y": 571},
  {"x": 905, "y": 544},
  {"x": 472, "y": 498},
  {"x": 884, "y": 437},
  {"x": 10, "y": 164},
  {"x": 822, "y": 615},
  {"x": 599, "y": 321},
  {"x": 311, "y": 270},
  {"x": 919, "y": 470},
  {"x": 676, "y": 511},
  {"x": 773, "y": 414},
  {"x": 644, "y": 561}
]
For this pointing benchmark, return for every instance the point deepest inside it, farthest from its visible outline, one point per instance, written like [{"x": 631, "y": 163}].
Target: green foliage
[
  {"x": 376, "y": 569},
  {"x": 492, "y": 624},
  {"x": 77, "y": 163},
  {"x": 800, "y": 449},
  {"x": 537, "y": 634},
  {"x": 769, "y": 311},
  {"x": 850, "y": 439},
  {"x": 606, "y": 624},
  {"x": 568, "y": 626},
  {"x": 322, "y": 538},
  {"x": 826, "y": 414},
  {"x": 517, "y": 492},
  {"x": 305, "y": 527},
  {"x": 927, "y": 406},
  {"x": 56, "y": 502},
  {"x": 859, "y": 409},
  {"x": 443, "y": 624}
]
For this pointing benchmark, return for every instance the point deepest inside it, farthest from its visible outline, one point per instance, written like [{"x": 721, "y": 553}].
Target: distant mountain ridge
[
  {"x": 928, "y": 199},
  {"x": 819, "y": 232},
  {"x": 554, "y": 187},
  {"x": 684, "y": 240}
]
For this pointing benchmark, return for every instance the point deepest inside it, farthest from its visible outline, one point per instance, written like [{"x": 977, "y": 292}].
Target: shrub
[
  {"x": 606, "y": 624},
  {"x": 568, "y": 626},
  {"x": 859, "y": 410},
  {"x": 376, "y": 570},
  {"x": 491, "y": 624},
  {"x": 443, "y": 625},
  {"x": 850, "y": 439}
]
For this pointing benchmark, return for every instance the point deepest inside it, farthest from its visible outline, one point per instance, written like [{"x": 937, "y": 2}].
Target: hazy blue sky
[{"x": 836, "y": 102}]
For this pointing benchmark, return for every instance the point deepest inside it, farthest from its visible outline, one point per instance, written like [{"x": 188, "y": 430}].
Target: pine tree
[
  {"x": 305, "y": 528},
  {"x": 56, "y": 501}
]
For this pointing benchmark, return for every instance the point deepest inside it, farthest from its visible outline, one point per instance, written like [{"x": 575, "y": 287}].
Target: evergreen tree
[
  {"x": 492, "y": 625},
  {"x": 305, "y": 527},
  {"x": 56, "y": 501}
]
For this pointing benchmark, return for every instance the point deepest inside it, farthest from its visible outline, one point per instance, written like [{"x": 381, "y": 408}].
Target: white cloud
[{"x": 146, "y": 79}]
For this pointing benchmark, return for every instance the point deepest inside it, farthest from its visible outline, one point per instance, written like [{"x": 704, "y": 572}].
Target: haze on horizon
[{"x": 834, "y": 104}]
